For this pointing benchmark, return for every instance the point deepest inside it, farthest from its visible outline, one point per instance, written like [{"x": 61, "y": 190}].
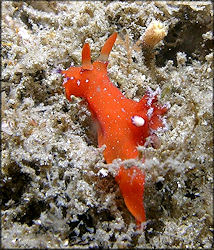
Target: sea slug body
[{"x": 123, "y": 124}]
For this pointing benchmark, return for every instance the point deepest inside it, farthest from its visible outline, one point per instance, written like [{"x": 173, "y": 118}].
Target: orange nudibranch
[{"x": 123, "y": 124}]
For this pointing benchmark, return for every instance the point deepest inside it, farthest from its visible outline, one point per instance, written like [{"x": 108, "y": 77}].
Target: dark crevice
[
  {"x": 84, "y": 223},
  {"x": 32, "y": 212},
  {"x": 184, "y": 37},
  {"x": 38, "y": 76},
  {"x": 159, "y": 185},
  {"x": 14, "y": 185},
  {"x": 32, "y": 164},
  {"x": 25, "y": 19}
]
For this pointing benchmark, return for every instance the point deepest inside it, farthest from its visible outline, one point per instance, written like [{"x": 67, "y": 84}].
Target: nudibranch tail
[
  {"x": 86, "y": 57},
  {"x": 131, "y": 183},
  {"x": 107, "y": 47}
]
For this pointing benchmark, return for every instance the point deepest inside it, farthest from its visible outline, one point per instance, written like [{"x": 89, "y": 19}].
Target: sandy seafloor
[{"x": 57, "y": 191}]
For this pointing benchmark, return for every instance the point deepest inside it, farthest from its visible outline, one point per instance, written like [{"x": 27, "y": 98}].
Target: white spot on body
[
  {"x": 78, "y": 82},
  {"x": 123, "y": 110},
  {"x": 138, "y": 121},
  {"x": 72, "y": 78},
  {"x": 86, "y": 80}
]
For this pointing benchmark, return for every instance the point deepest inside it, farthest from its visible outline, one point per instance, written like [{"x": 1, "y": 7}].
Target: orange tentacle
[
  {"x": 107, "y": 47},
  {"x": 86, "y": 57}
]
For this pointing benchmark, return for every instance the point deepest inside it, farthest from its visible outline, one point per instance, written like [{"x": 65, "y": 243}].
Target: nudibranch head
[{"x": 76, "y": 79}]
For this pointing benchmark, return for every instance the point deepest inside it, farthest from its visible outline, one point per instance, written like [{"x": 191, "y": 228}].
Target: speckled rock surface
[{"x": 57, "y": 191}]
